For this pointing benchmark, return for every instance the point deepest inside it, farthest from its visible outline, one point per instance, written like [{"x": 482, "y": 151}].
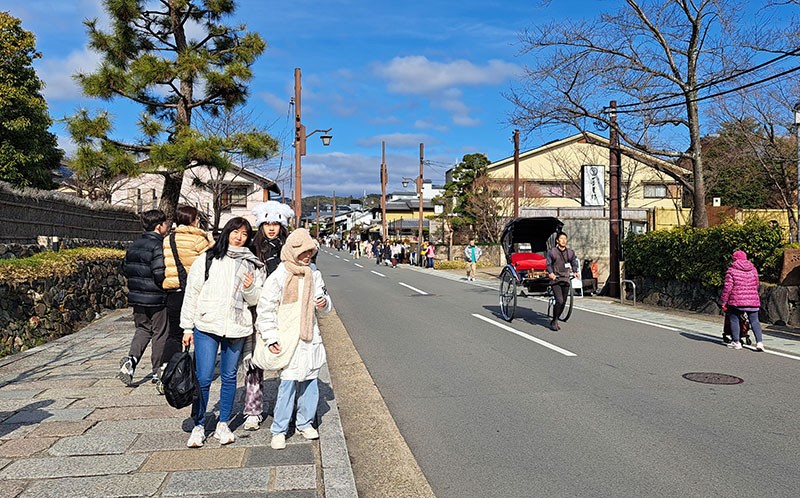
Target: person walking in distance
[
  {"x": 430, "y": 254},
  {"x": 215, "y": 319},
  {"x": 181, "y": 247},
  {"x": 299, "y": 291},
  {"x": 562, "y": 265},
  {"x": 144, "y": 268},
  {"x": 272, "y": 220},
  {"x": 740, "y": 295},
  {"x": 473, "y": 254}
]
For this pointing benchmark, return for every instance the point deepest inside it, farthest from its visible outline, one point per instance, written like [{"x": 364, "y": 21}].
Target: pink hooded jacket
[{"x": 741, "y": 283}]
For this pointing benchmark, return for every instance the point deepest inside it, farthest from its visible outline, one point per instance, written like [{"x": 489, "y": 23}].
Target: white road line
[
  {"x": 525, "y": 336},
  {"x": 346, "y": 259},
  {"x": 643, "y": 322},
  {"x": 358, "y": 265},
  {"x": 752, "y": 348},
  {"x": 413, "y": 288},
  {"x": 337, "y": 257},
  {"x": 378, "y": 274}
]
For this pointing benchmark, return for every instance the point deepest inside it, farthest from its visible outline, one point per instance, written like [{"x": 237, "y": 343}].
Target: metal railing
[{"x": 624, "y": 288}]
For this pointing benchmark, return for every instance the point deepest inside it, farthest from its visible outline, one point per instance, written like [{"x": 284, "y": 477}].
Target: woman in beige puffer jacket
[{"x": 190, "y": 242}]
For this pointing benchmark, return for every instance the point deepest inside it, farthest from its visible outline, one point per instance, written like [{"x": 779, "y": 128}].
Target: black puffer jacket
[{"x": 144, "y": 267}]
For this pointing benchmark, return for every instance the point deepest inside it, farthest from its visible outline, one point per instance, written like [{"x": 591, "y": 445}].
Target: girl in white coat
[
  {"x": 215, "y": 318},
  {"x": 293, "y": 283}
]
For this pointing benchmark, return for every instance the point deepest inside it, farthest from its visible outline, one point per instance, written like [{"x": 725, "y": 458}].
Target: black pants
[
  {"x": 151, "y": 325},
  {"x": 560, "y": 291},
  {"x": 173, "y": 342}
]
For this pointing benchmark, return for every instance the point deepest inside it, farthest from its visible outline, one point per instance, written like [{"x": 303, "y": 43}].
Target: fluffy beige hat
[{"x": 298, "y": 242}]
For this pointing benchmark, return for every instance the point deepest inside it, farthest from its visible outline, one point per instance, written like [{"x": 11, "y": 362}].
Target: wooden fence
[{"x": 24, "y": 216}]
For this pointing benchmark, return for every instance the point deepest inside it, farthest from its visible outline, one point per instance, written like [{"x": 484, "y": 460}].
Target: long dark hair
[
  {"x": 220, "y": 249},
  {"x": 260, "y": 241}
]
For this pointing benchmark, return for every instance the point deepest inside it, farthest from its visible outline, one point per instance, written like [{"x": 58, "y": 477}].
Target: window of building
[
  {"x": 234, "y": 196},
  {"x": 551, "y": 189},
  {"x": 655, "y": 191}
]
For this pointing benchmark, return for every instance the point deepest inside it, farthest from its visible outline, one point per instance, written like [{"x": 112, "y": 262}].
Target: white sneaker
[
  {"x": 278, "y": 441},
  {"x": 197, "y": 438},
  {"x": 127, "y": 366},
  {"x": 252, "y": 422},
  {"x": 760, "y": 346},
  {"x": 224, "y": 434},
  {"x": 735, "y": 345},
  {"x": 309, "y": 433}
]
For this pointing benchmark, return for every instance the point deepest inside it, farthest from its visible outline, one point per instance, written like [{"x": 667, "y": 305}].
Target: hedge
[
  {"x": 703, "y": 255},
  {"x": 49, "y": 263}
]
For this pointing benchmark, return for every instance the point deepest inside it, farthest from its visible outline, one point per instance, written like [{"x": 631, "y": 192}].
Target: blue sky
[{"x": 405, "y": 72}]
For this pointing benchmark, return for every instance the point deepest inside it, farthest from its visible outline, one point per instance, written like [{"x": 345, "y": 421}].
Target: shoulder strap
[{"x": 178, "y": 264}]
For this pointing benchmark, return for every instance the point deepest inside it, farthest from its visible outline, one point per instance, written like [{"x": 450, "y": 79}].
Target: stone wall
[
  {"x": 780, "y": 304},
  {"x": 33, "y": 312}
]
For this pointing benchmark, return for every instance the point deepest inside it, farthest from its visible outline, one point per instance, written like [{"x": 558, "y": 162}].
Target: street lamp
[
  {"x": 797, "y": 130},
  {"x": 300, "y": 137}
]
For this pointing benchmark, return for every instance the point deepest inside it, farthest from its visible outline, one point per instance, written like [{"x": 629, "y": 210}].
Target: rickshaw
[{"x": 525, "y": 242}]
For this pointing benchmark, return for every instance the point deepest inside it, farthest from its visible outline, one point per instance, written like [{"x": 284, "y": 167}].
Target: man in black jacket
[{"x": 144, "y": 267}]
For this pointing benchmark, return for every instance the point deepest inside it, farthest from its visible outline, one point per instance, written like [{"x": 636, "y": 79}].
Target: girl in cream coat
[
  {"x": 299, "y": 378},
  {"x": 215, "y": 318}
]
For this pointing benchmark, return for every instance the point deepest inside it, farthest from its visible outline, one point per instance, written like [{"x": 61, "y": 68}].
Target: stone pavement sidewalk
[{"x": 69, "y": 428}]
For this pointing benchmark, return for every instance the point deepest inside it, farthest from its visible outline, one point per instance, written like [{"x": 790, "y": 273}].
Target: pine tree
[
  {"x": 148, "y": 58},
  {"x": 28, "y": 151}
]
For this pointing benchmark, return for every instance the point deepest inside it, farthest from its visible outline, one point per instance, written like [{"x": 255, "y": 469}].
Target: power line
[
  {"x": 711, "y": 95},
  {"x": 717, "y": 82}
]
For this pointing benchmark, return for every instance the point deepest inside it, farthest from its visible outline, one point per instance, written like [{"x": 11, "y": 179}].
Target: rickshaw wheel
[{"x": 508, "y": 295}]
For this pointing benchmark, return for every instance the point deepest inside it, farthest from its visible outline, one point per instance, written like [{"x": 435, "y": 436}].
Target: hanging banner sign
[{"x": 593, "y": 192}]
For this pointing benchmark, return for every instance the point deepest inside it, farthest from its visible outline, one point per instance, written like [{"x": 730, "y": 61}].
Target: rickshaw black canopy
[{"x": 534, "y": 231}]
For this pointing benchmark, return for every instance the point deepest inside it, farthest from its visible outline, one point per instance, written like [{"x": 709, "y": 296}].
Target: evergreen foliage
[
  {"x": 149, "y": 58},
  {"x": 28, "y": 151}
]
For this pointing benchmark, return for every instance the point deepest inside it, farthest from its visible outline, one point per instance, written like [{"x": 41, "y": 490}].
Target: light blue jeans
[
  {"x": 205, "y": 358},
  {"x": 307, "y": 393}
]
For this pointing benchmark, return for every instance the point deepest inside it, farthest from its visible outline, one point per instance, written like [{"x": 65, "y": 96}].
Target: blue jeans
[
  {"x": 205, "y": 359},
  {"x": 307, "y": 393}
]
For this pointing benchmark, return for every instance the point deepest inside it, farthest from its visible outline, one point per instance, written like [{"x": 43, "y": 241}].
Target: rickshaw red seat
[{"x": 528, "y": 261}]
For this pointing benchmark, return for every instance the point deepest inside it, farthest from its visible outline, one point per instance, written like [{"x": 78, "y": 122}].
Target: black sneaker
[{"x": 126, "y": 368}]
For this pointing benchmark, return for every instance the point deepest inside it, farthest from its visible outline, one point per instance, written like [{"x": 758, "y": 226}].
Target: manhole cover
[{"x": 712, "y": 378}]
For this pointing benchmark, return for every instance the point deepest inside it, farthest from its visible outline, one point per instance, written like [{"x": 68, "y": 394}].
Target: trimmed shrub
[
  {"x": 702, "y": 255},
  {"x": 456, "y": 264},
  {"x": 49, "y": 263}
]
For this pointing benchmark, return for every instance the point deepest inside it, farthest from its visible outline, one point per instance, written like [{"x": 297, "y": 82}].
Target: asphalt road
[{"x": 597, "y": 409}]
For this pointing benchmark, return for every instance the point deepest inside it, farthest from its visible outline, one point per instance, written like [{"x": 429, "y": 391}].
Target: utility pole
[
  {"x": 300, "y": 138},
  {"x": 614, "y": 205},
  {"x": 334, "y": 214},
  {"x": 299, "y": 148},
  {"x": 516, "y": 173},
  {"x": 419, "y": 191},
  {"x": 317, "y": 217},
  {"x": 384, "y": 233}
]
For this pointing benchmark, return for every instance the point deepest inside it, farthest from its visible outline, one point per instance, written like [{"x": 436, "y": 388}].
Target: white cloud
[
  {"x": 427, "y": 125},
  {"x": 440, "y": 81},
  {"x": 278, "y": 104},
  {"x": 353, "y": 174},
  {"x": 401, "y": 140},
  {"x": 57, "y": 73},
  {"x": 384, "y": 120},
  {"x": 416, "y": 74}
]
